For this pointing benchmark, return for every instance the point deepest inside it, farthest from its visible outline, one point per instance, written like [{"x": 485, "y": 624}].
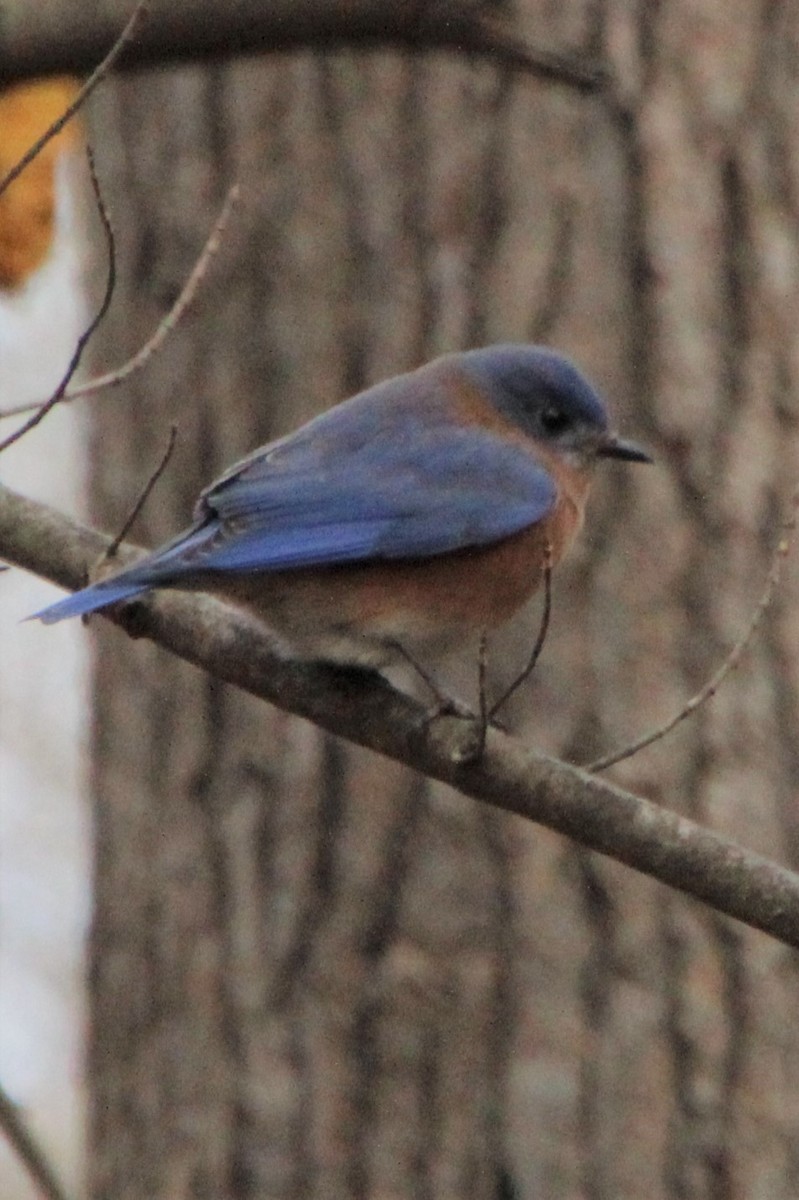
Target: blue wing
[{"x": 337, "y": 492}]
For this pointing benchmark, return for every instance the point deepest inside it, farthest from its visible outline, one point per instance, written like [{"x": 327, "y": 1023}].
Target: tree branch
[
  {"x": 366, "y": 710},
  {"x": 67, "y": 36}
]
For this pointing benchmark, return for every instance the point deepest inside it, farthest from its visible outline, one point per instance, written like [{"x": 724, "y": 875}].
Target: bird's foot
[
  {"x": 458, "y": 731},
  {"x": 464, "y": 730}
]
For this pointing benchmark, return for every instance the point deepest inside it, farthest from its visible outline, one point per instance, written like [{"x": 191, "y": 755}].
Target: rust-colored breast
[{"x": 416, "y": 601}]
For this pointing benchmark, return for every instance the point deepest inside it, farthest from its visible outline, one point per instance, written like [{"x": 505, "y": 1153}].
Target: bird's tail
[
  {"x": 90, "y": 599},
  {"x": 159, "y": 569}
]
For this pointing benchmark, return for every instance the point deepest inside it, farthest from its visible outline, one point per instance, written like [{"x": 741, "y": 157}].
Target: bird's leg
[
  {"x": 539, "y": 641},
  {"x": 472, "y": 747},
  {"x": 445, "y": 705}
]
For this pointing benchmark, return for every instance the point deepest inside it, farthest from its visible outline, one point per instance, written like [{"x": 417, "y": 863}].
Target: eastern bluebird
[{"x": 422, "y": 510}]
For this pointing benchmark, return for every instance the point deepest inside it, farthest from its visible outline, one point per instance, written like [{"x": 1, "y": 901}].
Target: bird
[{"x": 419, "y": 512}]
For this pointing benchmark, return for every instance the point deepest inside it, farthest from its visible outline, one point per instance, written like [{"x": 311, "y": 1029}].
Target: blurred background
[{"x": 311, "y": 973}]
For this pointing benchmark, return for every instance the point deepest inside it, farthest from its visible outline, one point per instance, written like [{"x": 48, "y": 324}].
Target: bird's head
[{"x": 543, "y": 393}]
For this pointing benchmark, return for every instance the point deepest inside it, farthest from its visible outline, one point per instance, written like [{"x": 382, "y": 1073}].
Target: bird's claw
[{"x": 466, "y": 741}]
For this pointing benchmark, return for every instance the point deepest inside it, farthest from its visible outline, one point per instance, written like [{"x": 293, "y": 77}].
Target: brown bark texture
[{"x": 314, "y": 974}]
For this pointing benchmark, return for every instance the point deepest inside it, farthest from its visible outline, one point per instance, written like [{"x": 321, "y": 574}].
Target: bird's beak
[{"x": 615, "y": 447}]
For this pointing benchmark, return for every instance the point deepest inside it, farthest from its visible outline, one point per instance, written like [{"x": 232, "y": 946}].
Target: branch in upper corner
[
  {"x": 196, "y": 30},
  {"x": 89, "y": 331},
  {"x": 365, "y": 709},
  {"x": 28, "y": 1149},
  {"x": 730, "y": 662},
  {"x": 97, "y": 76},
  {"x": 176, "y": 313}
]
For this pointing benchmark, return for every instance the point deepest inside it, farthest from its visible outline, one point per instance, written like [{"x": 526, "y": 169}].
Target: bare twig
[
  {"x": 730, "y": 662},
  {"x": 535, "y": 654},
  {"x": 28, "y": 1149},
  {"x": 84, "y": 338},
  {"x": 151, "y": 347},
  {"x": 116, "y": 542},
  {"x": 96, "y": 77},
  {"x": 483, "y": 715},
  {"x": 365, "y": 709}
]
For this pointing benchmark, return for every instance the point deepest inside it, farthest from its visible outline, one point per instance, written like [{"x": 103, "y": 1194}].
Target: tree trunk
[{"x": 314, "y": 975}]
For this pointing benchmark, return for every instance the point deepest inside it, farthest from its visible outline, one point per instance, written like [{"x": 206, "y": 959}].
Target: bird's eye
[{"x": 554, "y": 420}]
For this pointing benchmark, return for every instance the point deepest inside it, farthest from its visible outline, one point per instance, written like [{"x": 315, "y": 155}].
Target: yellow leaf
[{"x": 27, "y": 208}]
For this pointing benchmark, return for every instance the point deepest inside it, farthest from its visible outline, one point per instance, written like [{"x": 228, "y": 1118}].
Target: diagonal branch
[{"x": 366, "y": 710}]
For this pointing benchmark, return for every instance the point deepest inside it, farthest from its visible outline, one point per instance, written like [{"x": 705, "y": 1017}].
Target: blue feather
[
  {"x": 351, "y": 486},
  {"x": 89, "y": 600}
]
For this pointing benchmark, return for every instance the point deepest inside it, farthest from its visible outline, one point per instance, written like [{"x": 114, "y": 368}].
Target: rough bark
[{"x": 313, "y": 975}]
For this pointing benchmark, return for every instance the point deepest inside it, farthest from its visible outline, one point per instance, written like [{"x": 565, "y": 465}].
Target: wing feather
[{"x": 308, "y": 501}]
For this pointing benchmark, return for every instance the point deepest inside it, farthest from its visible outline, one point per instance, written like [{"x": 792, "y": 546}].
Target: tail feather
[
  {"x": 159, "y": 569},
  {"x": 90, "y": 599}
]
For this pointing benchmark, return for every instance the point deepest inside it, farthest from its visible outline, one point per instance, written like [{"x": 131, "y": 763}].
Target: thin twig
[
  {"x": 83, "y": 340},
  {"x": 732, "y": 659},
  {"x": 28, "y": 1150},
  {"x": 96, "y": 77},
  {"x": 144, "y": 496},
  {"x": 165, "y": 327},
  {"x": 543, "y": 629},
  {"x": 482, "y": 683}
]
